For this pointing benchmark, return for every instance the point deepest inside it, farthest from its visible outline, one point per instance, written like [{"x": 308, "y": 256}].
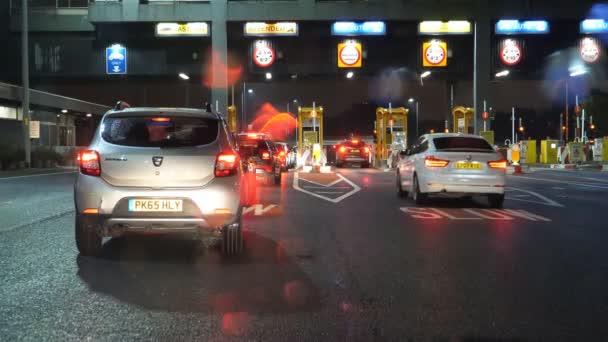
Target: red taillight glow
[
  {"x": 265, "y": 155},
  {"x": 498, "y": 164},
  {"x": 91, "y": 211},
  {"x": 342, "y": 149},
  {"x": 282, "y": 153},
  {"x": 161, "y": 119},
  {"x": 252, "y": 135},
  {"x": 434, "y": 162},
  {"x": 225, "y": 164},
  {"x": 89, "y": 163},
  {"x": 355, "y": 142},
  {"x": 366, "y": 150}
]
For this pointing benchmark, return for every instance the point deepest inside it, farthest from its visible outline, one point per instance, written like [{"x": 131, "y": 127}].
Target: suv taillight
[
  {"x": 265, "y": 155},
  {"x": 225, "y": 164},
  {"x": 88, "y": 161}
]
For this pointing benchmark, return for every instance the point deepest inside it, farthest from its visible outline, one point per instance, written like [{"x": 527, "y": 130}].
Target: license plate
[
  {"x": 468, "y": 165},
  {"x": 355, "y": 151},
  {"x": 164, "y": 205}
]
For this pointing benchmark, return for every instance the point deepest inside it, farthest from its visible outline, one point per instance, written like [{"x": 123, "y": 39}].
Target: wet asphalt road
[{"x": 370, "y": 267}]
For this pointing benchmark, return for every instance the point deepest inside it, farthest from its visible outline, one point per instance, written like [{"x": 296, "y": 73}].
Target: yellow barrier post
[
  {"x": 232, "y": 127},
  {"x": 530, "y": 152},
  {"x": 463, "y": 119},
  {"x": 549, "y": 151},
  {"x": 605, "y": 150}
]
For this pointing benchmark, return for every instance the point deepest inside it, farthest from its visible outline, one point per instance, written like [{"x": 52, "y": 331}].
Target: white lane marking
[
  {"x": 258, "y": 209},
  {"x": 521, "y": 195},
  {"x": 547, "y": 201},
  {"x": 7, "y": 202},
  {"x": 330, "y": 192},
  {"x": 558, "y": 188},
  {"x": 480, "y": 214},
  {"x": 356, "y": 189},
  {"x": 38, "y": 175},
  {"x": 323, "y": 185},
  {"x": 594, "y": 179},
  {"x": 451, "y": 217},
  {"x": 496, "y": 215},
  {"x": 564, "y": 181}
]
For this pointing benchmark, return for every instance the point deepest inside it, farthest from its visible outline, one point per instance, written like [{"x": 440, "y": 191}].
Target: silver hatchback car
[{"x": 159, "y": 170}]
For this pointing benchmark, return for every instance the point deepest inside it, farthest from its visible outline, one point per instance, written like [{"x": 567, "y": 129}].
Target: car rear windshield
[
  {"x": 356, "y": 143},
  {"x": 155, "y": 131},
  {"x": 251, "y": 147},
  {"x": 462, "y": 144}
]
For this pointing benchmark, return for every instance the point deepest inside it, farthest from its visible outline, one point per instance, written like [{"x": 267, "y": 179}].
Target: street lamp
[
  {"x": 425, "y": 74},
  {"x": 268, "y": 76},
  {"x": 183, "y": 76},
  {"x": 503, "y": 73},
  {"x": 250, "y": 91},
  {"x": 350, "y": 74}
]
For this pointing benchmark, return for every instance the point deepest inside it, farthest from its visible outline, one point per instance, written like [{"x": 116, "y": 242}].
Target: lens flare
[
  {"x": 277, "y": 124},
  {"x": 227, "y": 72}
]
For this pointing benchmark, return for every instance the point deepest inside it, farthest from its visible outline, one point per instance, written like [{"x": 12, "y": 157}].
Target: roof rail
[{"x": 120, "y": 105}]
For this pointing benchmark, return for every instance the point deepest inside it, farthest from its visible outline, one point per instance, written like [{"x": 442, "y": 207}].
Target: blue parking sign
[{"x": 116, "y": 60}]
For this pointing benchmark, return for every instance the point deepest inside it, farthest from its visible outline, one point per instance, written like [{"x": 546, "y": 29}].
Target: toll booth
[
  {"x": 528, "y": 151},
  {"x": 391, "y": 127},
  {"x": 464, "y": 119},
  {"x": 310, "y": 127},
  {"x": 549, "y": 151},
  {"x": 232, "y": 119}
]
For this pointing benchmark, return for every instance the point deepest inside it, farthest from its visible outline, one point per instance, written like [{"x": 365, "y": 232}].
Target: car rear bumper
[
  {"x": 475, "y": 184},
  {"x": 353, "y": 159},
  {"x": 209, "y": 226},
  {"x": 216, "y": 204}
]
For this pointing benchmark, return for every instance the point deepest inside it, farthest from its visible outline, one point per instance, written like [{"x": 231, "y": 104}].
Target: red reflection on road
[
  {"x": 226, "y": 73},
  {"x": 236, "y": 323},
  {"x": 269, "y": 120}
]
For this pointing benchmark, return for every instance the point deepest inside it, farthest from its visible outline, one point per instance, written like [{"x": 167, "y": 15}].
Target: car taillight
[
  {"x": 265, "y": 155},
  {"x": 366, "y": 150},
  {"x": 498, "y": 164},
  {"x": 282, "y": 153},
  {"x": 225, "y": 164},
  {"x": 342, "y": 149},
  {"x": 431, "y": 161},
  {"x": 89, "y": 163}
]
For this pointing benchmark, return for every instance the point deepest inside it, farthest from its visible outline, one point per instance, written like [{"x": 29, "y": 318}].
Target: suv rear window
[
  {"x": 249, "y": 148},
  {"x": 462, "y": 144},
  {"x": 157, "y": 131}
]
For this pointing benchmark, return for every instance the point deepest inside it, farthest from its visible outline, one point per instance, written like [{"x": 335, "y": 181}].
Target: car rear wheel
[
  {"x": 88, "y": 241},
  {"x": 418, "y": 197},
  {"x": 496, "y": 200},
  {"x": 232, "y": 239},
  {"x": 400, "y": 192}
]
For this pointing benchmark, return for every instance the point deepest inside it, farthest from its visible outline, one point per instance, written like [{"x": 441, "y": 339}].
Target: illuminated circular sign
[
  {"x": 350, "y": 54},
  {"x": 263, "y": 56},
  {"x": 510, "y": 54},
  {"x": 435, "y": 54},
  {"x": 590, "y": 50}
]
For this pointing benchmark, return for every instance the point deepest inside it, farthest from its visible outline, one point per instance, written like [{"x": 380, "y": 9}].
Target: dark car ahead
[
  {"x": 258, "y": 151},
  {"x": 353, "y": 151}
]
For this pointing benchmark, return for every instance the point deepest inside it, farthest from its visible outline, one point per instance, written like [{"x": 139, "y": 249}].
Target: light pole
[
  {"x": 25, "y": 76},
  {"x": 412, "y": 100}
]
